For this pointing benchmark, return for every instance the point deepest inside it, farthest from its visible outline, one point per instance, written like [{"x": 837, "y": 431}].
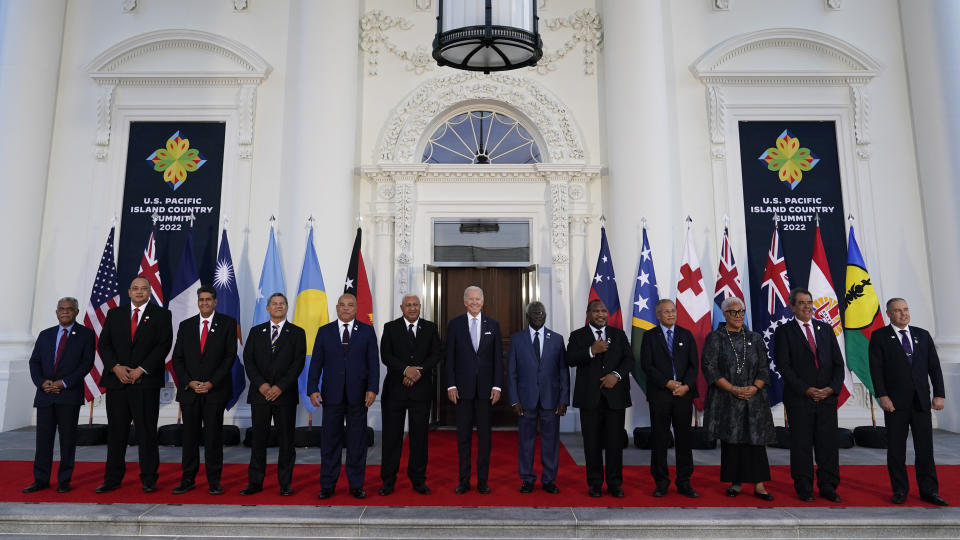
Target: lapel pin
[
  {"x": 680, "y": 344},
  {"x": 146, "y": 317},
  {"x": 73, "y": 333},
  {"x": 212, "y": 330},
  {"x": 264, "y": 330}
]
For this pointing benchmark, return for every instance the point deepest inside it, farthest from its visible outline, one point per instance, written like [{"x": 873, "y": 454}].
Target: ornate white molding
[
  {"x": 401, "y": 139},
  {"x": 374, "y": 40},
  {"x": 423, "y": 5},
  {"x": 403, "y": 220},
  {"x": 559, "y": 221},
  {"x": 128, "y": 6},
  {"x": 833, "y": 4},
  {"x": 837, "y": 63},
  {"x": 588, "y": 30},
  {"x": 720, "y": 5},
  {"x": 123, "y": 65},
  {"x": 240, "y": 5}
]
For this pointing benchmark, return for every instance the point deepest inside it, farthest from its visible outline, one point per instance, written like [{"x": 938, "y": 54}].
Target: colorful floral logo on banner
[
  {"x": 176, "y": 160},
  {"x": 789, "y": 159}
]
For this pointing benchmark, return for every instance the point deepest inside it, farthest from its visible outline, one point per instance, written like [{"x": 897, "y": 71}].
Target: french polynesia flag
[
  {"x": 604, "y": 284},
  {"x": 693, "y": 308},
  {"x": 826, "y": 306},
  {"x": 357, "y": 284}
]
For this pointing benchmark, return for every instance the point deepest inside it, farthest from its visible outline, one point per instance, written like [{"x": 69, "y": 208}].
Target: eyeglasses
[{"x": 735, "y": 312}]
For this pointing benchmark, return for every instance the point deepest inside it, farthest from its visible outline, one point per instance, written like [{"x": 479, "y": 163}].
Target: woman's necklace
[{"x": 740, "y": 362}]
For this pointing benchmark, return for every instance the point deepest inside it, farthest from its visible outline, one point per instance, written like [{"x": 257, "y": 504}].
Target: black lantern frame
[{"x": 479, "y": 41}]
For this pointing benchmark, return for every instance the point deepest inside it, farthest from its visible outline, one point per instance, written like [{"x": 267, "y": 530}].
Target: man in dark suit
[
  {"x": 133, "y": 345},
  {"x": 603, "y": 358},
  {"x": 344, "y": 378},
  {"x": 811, "y": 364},
  {"x": 202, "y": 359},
  {"x": 474, "y": 369},
  {"x": 273, "y": 358},
  {"x": 668, "y": 356},
  {"x": 410, "y": 348},
  {"x": 903, "y": 365},
  {"x": 538, "y": 383},
  {"x": 62, "y": 357}
]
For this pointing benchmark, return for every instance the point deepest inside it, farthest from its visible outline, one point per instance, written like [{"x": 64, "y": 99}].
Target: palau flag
[
  {"x": 310, "y": 311},
  {"x": 645, "y": 301},
  {"x": 183, "y": 295},
  {"x": 862, "y": 314},
  {"x": 228, "y": 303},
  {"x": 271, "y": 281}
]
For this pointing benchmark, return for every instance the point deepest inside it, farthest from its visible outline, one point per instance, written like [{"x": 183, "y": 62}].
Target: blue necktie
[
  {"x": 907, "y": 348},
  {"x": 670, "y": 352}
]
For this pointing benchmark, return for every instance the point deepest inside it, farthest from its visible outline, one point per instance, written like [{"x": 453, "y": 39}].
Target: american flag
[
  {"x": 775, "y": 289},
  {"x": 104, "y": 297},
  {"x": 150, "y": 269}
]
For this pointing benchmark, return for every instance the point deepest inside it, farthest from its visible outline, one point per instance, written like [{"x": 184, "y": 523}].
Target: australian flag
[
  {"x": 604, "y": 285},
  {"x": 775, "y": 291},
  {"x": 228, "y": 303}
]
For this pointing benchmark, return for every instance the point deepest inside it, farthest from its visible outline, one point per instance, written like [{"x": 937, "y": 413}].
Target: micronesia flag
[
  {"x": 604, "y": 284},
  {"x": 183, "y": 295},
  {"x": 728, "y": 282},
  {"x": 310, "y": 312},
  {"x": 228, "y": 303},
  {"x": 271, "y": 281},
  {"x": 775, "y": 291}
]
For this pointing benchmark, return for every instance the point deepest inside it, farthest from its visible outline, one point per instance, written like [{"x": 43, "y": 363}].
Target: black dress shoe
[
  {"x": 688, "y": 491},
  {"x": 462, "y": 488},
  {"x": 149, "y": 487},
  {"x": 660, "y": 492},
  {"x": 483, "y": 489},
  {"x": 763, "y": 496},
  {"x": 358, "y": 493},
  {"x": 830, "y": 496},
  {"x": 732, "y": 492},
  {"x": 806, "y": 497},
  {"x": 933, "y": 498},
  {"x": 325, "y": 493},
  {"x": 215, "y": 489},
  {"x": 594, "y": 492},
  {"x": 104, "y": 488},
  {"x": 616, "y": 492},
  {"x": 551, "y": 488},
  {"x": 63, "y": 487},
  {"x": 36, "y": 486},
  {"x": 421, "y": 489},
  {"x": 526, "y": 487},
  {"x": 899, "y": 498},
  {"x": 251, "y": 489},
  {"x": 385, "y": 490},
  {"x": 286, "y": 491},
  {"x": 182, "y": 488}
]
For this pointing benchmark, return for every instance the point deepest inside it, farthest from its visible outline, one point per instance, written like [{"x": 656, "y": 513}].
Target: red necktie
[
  {"x": 203, "y": 335},
  {"x": 813, "y": 345},
  {"x": 60, "y": 347},
  {"x": 133, "y": 322}
]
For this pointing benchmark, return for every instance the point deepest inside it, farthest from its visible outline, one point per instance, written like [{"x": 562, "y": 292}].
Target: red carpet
[{"x": 861, "y": 485}]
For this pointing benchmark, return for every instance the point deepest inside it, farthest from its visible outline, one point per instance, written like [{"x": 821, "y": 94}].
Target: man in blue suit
[
  {"x": 62, "y": 357},
  {"x": 474, "y": 368},
  {"x": 346, "y": 359},
  {"x": 538, "y": 383}
]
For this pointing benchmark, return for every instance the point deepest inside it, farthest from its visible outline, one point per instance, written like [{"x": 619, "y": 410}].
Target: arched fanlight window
[{"x": 481, "y": 137}]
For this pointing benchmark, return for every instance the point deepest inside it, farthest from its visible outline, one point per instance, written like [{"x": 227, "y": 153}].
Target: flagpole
[{"x": 91, "y": 413}]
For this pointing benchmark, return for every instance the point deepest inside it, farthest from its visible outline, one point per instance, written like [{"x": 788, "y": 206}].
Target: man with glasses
[{"x": 811, "y": 364}]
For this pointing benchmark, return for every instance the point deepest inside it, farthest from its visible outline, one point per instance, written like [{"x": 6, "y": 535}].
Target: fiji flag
[
  {"x": 775, "y": 291},
  {"x": 645, "y": 301},
  {"x": 228, "y": 303},
  {"x": 728, "y": 281},
  {"x": 604, "y": 284},
  {"x": 310, "y": 311},
  {"x": 271, "y": 281}
]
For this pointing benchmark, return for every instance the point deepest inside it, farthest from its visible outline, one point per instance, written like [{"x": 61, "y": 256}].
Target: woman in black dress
[{"x": 737, "y": 410}]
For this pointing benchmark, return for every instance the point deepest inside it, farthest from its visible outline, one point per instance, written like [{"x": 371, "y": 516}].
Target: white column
[
  {"x": 31, "y": 36},
  {"x": 634, "y": 78},
  {"x": 932, "y": 47}
]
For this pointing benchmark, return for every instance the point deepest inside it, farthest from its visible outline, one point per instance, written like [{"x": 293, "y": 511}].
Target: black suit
[
  {"x": 212, "y": 365},
  {"x": 58, "y": 412},
  {"x": 906, "y": 381},
  {"x": 397, "y": 352},
  {"x": 665, "y": 408},
  {"x": 602, "y": 410},
  {"x": 139, "y": 401},
  {"x": 279, "y": 364},
  {"x": 474, "y": 373},
  {"x": 813, "y": 425}
]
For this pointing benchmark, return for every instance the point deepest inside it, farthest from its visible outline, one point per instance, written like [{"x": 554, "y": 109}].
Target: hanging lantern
[{"x": 487, "y": 35}]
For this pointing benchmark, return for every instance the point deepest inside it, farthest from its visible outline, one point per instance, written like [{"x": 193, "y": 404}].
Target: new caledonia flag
[
  {"x": 604, "y": 285},
  {"x": 862, "y": 314}
]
